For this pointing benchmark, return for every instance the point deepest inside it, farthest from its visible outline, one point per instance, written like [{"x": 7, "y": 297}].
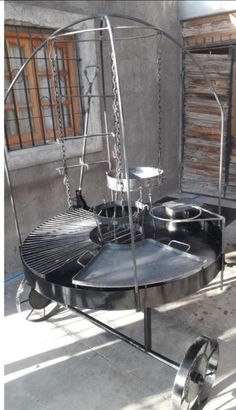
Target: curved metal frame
[
  {"x": 147, "y": 25},
  {"x": 109, "y": 28}
]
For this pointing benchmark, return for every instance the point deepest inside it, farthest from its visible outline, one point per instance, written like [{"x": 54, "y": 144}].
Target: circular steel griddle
[{"x": 60, "y": 260}]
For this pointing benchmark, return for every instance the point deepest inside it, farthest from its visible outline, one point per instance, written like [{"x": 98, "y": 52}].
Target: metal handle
[
  {"x": 180, "y": 243},
  {"x": 83, "y": 254}
]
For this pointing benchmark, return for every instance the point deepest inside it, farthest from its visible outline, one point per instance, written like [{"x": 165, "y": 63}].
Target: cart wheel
[
  {"x": 196, "y": 374},
  {"x": 32, "y": 305}
]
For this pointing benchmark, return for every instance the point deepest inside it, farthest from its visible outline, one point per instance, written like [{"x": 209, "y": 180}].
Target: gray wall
[{"x": 38, "y": 189}]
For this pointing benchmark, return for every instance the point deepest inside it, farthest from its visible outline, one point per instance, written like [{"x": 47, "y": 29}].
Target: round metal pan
[{"x": 139, "y": 177}]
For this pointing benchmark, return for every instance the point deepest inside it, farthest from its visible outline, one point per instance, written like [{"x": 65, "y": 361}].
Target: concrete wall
[
  {"x": 38, "y": 189},
  {"x": 191, "y": 9}
]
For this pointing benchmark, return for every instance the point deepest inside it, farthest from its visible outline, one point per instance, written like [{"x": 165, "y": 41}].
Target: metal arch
[
  {"x": 105, "y": 16},
  {"x": 168, "y": 36}
]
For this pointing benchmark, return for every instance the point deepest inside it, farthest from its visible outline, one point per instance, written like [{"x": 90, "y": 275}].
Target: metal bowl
[
  {"x": 139, "y": 177},
  {"x": 175, "y": 216},
  {"x": 116, "y": 212}
]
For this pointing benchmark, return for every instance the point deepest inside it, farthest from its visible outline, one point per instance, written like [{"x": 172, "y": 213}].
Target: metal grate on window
[{"x": 31, "y": 117}]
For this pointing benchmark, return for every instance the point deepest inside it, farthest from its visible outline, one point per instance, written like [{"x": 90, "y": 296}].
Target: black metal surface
[
  {"x": 50, "y": 254},
  {"x": 38, "y": 301}
]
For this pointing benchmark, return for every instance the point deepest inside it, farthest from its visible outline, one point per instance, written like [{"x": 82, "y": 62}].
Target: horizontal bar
[
  {"x": 59, "y": 169},
  {"x": 85, "y": 30},
  {"x": 102, "y": 29},
  {"x": 165, "y": 360},
  {"x": 76, "y": 137}
]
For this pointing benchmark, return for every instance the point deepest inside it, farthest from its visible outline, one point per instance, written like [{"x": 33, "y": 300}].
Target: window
[{"x": 31, "y": 115}]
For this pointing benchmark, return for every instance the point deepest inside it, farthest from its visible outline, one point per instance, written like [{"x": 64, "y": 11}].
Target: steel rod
[
  {"x": 12, "y": 198},
  {"x": 59, "y": 169},
  {"x": 223, "y": 253},
  {"x": 86, "y": 122},
  {"x": 85, "y": 30},
  {"x": 75, "y": 137},
  {"x": 125, "y": 162},
  {"x": 148, "y": 329},
  {"x": 163, "y": 359}
]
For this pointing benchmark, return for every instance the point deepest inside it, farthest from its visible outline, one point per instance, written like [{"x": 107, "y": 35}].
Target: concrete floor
[{"x": 68, "y": 363}]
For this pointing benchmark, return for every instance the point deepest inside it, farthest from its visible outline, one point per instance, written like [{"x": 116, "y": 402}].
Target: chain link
[
  {"x": 66, "y": 180},
  {"x": 116, "y": 114},
  {"x": 159, "y": 109}
]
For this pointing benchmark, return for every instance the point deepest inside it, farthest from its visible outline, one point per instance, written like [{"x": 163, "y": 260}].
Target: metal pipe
[
  {"x": 12, "y": 198},
  {"x": 223, "y": 252},
  {"x": 147, "y": 329},
  {"x": 163, "y": 359},
  {"x": 59, "y": 169},
  {"x": 76, "y": 137},
  {"x": 89, "y": 93},
  {"x": 221, "y": 151},
  {"x": 125, "y": 163},
  {"x": 86, "y": 30}
]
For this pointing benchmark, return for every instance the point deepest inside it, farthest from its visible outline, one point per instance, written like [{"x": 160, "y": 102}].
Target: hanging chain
[
  {"x": 116, "y": 113},
  {"x": 159, "y": 108},
  {"x": 66, "y": 180}
]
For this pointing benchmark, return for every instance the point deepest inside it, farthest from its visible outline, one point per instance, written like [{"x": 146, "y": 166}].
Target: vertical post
[
  {"x": 221, "y": 153},
  {"x": 136, "y": 288},
  {"x": 222, "y": 252},
  {"x": 147, "y": 329},
  {"x": 12, "y": 198}
]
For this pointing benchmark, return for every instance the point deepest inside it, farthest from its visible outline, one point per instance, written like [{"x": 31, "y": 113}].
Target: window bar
[
  {"x": 59, "y": 85},
  {"x": 25, "y": 85},
  {"x": 78, "y": 60},
  {"x": 37, "y": 88},
  {"x": 72, "y": 115},
  {"x": 14, "y": 97},
  {"x": 49, "y": 90}
]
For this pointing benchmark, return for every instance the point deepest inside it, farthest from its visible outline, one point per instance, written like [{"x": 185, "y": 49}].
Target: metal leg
[
  {"x": 223, "y": 253},
  {"x": 163, "y": 359},
  {"x": 147, "y": 329}
]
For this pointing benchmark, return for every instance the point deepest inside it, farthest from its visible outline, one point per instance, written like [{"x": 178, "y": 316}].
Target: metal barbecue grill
[{"x": 124, "y": 253}]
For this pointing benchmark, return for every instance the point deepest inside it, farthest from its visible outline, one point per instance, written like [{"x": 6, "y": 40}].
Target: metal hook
[{"x": 95, "y": 73}]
